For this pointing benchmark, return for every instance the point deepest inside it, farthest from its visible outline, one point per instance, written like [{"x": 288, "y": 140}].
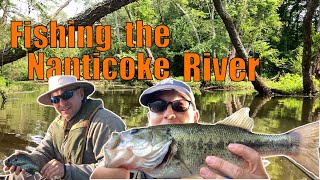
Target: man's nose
[
  {"x": 169, "y": 113},
  {"x": 62, "y": 101}
]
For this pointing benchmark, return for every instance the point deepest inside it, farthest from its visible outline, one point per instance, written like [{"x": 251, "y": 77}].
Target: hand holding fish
[
  {"x": 17, "y": 170},
  {"x": 252, "y": 167},
  {"x": 21, "y": 165},
  {"x": 53, "y": 168},
  {"x": 13, "y": 167}
]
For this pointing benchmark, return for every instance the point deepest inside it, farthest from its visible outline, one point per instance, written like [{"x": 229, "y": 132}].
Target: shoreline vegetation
[{"x": 287, "y": 85}]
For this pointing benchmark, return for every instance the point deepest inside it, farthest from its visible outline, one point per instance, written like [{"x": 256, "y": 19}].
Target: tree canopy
[{"x": 271, "y": 30}]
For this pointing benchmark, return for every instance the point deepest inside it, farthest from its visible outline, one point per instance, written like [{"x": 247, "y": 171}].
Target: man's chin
[{"x": 66, "y": 116}]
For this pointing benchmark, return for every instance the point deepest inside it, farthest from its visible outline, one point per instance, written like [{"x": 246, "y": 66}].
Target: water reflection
[{"x": 23, "y": 116}]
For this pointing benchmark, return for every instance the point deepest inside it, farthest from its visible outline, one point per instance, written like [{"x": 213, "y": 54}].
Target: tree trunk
[
  {"x": 60, "y": 8},
  {"x": 212, "y": 20},
  {"x": 317, "y": 61},
  {"x": 87, "y": 18},
  {"x": 318, "y": 27},
  {"x": 147, "y": 49},
  {"x": 308, "y": 86},
  {"x": 117, "y": 30},
  {"x": 191, "y": 22},
  {"x": 307, "y": 105},
  {"x": 235, "y": 39},
  {"x": 317, "y": 64}
]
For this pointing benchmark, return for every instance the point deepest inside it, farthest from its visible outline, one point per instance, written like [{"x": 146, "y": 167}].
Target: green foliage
[
  {"x": 3, "y": 81},
  {"x": 291, "y": 83},
  {"x": 292, "y": 103},
  {"x": 4, "y": 36},
  {"x": 290, "y": 13},
  {"x": 22, "y": 86},
  {"x": 316, "y": 84},
  {"x": 141, "y": 10},
  {"x": 317, "y": 103},
  {"x": 190, "y": 83},
  {"x": 315, "y": 43},
  {"x": 8, "y": 86},
  {"x": 16, "y": 71},
  {"x": 292, "y": 63},
  {"x": 227, "y": 84}
]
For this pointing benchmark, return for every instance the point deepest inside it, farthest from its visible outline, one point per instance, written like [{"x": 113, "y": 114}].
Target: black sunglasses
[
  {"x": 177, "y": 105},
  {"x": 65, "y": 96}
]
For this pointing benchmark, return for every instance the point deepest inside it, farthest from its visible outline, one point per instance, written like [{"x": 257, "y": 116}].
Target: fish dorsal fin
[{"x": 239, "y": 119}]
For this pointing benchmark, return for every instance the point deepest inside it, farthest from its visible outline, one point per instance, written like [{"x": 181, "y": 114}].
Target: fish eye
[
  {"x": 16, "y": 159},
  {"x": 132, "y": 131}
]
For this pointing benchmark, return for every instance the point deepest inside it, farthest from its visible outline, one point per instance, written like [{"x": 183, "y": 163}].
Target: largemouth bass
[
  {"x": 25, "y": 161},
  {"x": 177, "y": 151}
]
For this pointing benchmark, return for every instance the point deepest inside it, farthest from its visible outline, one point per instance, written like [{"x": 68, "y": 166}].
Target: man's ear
[
  {"x": 148, "y": 115},
  {"x": 81, "y": 93}
]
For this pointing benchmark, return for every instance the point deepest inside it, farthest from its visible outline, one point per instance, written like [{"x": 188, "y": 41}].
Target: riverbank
[{"x": 289, "y": 84}]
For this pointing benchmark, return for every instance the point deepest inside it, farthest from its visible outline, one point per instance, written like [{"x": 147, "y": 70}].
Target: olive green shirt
[{"x": 103, "y": 123}]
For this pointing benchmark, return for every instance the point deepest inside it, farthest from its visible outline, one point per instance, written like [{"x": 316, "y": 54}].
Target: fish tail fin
[{"x": 308, "y": 152}]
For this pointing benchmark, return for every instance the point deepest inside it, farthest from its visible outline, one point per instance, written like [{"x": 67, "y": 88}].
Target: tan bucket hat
[{"x": 61, "y": 81}]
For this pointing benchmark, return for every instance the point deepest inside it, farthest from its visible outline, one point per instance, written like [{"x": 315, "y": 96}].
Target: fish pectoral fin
[{"x": 239, "y": 119}]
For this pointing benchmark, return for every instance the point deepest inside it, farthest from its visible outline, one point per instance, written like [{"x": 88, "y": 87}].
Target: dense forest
[{"x": 283, "y": 34}]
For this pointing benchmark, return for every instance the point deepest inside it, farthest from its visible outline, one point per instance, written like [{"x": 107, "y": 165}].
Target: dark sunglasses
[
  {"x": 177, "y": 105},
  {"x": 65, "y": 96}
]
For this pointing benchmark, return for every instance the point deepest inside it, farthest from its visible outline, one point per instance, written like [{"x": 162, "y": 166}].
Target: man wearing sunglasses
[
  {"x": 72, "y": 145},
  {"x": 172, "y": 102}
]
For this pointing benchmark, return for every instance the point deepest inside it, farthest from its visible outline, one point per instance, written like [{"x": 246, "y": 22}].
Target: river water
[{"x": 23, "y": 122}]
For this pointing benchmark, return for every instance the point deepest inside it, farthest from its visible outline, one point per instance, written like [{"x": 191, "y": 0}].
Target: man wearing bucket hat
[
  {"x": 172, "y": 102},
  {"x": 73, "y": 143}
]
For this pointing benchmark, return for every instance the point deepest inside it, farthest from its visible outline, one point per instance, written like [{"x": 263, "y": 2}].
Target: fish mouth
[{"x": 7, "y": 163}]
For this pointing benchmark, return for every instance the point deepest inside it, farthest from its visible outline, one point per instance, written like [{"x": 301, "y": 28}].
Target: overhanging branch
[{"x": 87, "y": 18}]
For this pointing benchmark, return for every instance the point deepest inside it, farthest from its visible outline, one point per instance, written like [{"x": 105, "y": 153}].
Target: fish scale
[{"x": 207, "y": 140}]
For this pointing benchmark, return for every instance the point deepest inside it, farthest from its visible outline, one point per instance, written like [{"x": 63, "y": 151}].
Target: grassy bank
[
  {"x": 9, "y": 86},
  {"x": 289, "y": 83}
]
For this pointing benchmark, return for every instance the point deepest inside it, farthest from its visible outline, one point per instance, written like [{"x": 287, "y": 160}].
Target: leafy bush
[
  {"x": 227, "y": 84},
  {"x": 3, "y": 81},
  {"x": 291, "y": 83},
  {"x": 16, "y": 71}
]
